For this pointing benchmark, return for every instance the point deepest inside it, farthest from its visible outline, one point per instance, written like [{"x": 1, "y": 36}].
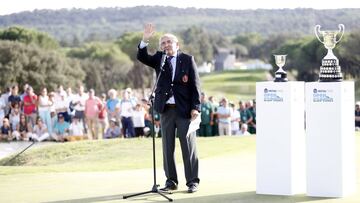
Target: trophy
[
  {"x": 280, "y": 74},
  {"x": 330, "y": 71}
]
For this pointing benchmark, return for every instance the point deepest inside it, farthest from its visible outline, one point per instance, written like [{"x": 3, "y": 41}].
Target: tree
[
  {"x": 349, "y": 55},
  {"x": 197, "y": 43},
  {"x": 28, "y": 36},
  {"x": 139, "y": 76},
  {"x": 106, "y": 66},
  {"x": 20, "y": 63},
  {"x": 303, "y": 57}
]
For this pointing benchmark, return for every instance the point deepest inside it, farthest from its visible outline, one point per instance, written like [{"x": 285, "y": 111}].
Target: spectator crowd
[{"x": 66, "y": 116}]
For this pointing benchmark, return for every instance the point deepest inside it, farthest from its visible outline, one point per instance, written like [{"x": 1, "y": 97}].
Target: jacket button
[
  {"x": 172, "y": 84},
  {"x": 166, "y": 93}
]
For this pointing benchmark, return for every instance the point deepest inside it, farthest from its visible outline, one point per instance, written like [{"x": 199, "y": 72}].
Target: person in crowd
[
  {"x": 357, "y": 116},
  {"x": 252, "y": 123},
  {"x": 214, "y": 118},
  {"x": 132, "y": 97},
  {"x": 244, "y": 130},
  {"x": 6, "y": 130},
  {"x": 92, "y": 114},
  {"x": 30, "y": 105},
  {"x": 60, "y": 92},
  {"x": 14, "y": 98},
  {"x": 148, "y": 123},
  {"x": 79, "y": 105},
  {"x": 177, "y": 99},
  {"x": 25, "y": 92},
  {"x": 44, "y": 104},
  {"x": 5, "y": 97},
  {"x": 126, "y": 113},
  {"x": 61, "y": 129},
  {"x": 102, "y": 117},
  {"x": 113, "y": 130},
  {"x": 62, "y": 105},
  {"x": 40, "y": 131},
  {"x": 111, "y": 105},
  {"x": 76, "y": 130},
  {"x": 139, "y": 120},
  {"x": 224, "y": 115},
  {"x": 245, "y": 115},
  {"x": 14, "y": 117},
  {"x": 69, "y": 98},
  {"x": 2, "y": 110},
  {"x": 235, "y": 119},
  {"x": 206, "y": 117},
  {"x": 23, "y": 129}
]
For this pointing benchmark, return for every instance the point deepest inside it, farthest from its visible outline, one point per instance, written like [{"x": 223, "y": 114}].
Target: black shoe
[
  {"x": 193, "y": 188},
  {"x": 169, "y": 187}
]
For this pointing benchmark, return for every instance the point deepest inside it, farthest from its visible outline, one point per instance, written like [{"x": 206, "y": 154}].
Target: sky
[{"x": 14, "y": 6}]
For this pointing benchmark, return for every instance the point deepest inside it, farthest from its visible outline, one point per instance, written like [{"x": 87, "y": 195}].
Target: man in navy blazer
[{"x": 177, "y": 99}]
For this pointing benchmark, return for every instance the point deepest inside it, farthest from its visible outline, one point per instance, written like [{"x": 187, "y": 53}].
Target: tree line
[
  {"x": 35, "y": 57},
  {"x": 72, "y": 27}
]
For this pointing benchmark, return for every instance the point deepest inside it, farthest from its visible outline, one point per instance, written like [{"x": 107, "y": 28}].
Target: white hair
[
  {"x": 168, "y": 35},
  {"x": 112, "y": 92}
]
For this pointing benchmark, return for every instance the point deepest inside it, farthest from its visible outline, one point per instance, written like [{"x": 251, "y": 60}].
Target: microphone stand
[{"x": 151, "y": 103}]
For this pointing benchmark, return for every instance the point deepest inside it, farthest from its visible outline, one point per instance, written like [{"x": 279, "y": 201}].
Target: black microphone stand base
[{"x": 153, "y": 190}]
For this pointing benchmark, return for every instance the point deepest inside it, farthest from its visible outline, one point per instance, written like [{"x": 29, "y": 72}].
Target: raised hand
[{"x": 149, "y": 30}]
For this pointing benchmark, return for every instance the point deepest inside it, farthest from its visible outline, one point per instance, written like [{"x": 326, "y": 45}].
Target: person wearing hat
[{"x": 177, "y": 99}]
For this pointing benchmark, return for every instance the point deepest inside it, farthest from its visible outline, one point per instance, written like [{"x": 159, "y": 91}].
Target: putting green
[{"x": 228, "y": 177}]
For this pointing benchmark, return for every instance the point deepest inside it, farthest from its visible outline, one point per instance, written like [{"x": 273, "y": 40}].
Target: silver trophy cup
[
  {"x": 330, "y": 71},
  {"x": 280, "y": 74}
]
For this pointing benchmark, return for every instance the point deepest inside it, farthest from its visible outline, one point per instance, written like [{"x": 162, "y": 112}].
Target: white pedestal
[
  {"x": 280, "y": 138},
  {"x": 330, "y": 138}
]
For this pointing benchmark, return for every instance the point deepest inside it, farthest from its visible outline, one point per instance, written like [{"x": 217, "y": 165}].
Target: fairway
[{"x": 227, "y": 173}]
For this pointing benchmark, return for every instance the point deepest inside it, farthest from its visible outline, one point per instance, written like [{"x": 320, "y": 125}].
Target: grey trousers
[{"x": 171, "y": 123}]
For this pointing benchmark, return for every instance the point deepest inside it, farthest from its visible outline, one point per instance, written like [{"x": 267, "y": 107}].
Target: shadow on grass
[{"x": 248, "y": 197}]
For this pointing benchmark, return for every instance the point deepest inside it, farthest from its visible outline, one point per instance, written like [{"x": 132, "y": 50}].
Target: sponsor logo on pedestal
[
  {"x": 321, "y": 95},
  {"x": 272, "y": 95}
]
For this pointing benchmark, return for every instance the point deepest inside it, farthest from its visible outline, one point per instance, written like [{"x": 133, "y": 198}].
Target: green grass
[
  {"x": 111, "y": 155},
  {"x": 228, "y": 175},
  {"x": 234, "y": 84}
]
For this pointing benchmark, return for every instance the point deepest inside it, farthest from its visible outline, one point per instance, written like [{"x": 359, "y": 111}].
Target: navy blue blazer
[{"x": 185, "y": 87}]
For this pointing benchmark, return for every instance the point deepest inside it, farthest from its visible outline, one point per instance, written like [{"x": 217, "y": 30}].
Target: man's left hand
[{"x": 194, "y": 114}]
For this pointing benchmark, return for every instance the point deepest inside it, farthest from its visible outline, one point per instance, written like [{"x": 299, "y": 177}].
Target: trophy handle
[
  {"x": 342, "y": 30},
  {"x": 317, "y": 30}
]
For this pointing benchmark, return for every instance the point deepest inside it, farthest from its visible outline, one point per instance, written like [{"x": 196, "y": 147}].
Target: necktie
[{"x": 168, "y": 61}]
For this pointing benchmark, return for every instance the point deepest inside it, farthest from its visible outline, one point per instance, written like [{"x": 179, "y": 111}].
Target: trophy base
[
  {"x": 330, "y": 80},
  {"x": 280, "y": 77}
]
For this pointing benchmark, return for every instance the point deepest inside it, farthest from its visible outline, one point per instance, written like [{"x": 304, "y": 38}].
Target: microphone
[{"x": 163, "y": 59}]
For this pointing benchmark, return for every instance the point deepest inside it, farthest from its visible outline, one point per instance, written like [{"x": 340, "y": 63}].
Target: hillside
[{"x": 109, "y": 23}]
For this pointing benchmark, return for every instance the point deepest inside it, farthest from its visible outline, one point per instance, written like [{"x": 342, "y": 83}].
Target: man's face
[{"x": 169, "y": 46}]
